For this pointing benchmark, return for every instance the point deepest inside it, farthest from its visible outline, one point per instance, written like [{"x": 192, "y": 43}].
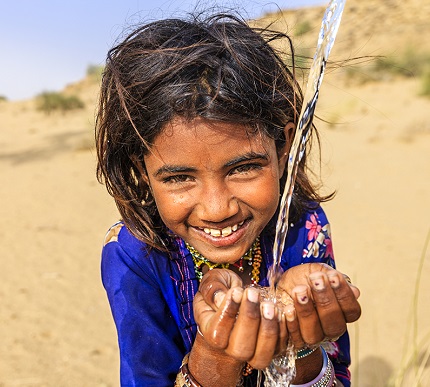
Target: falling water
[
  {"x": 282, "y": 369},
  {"x": 327, "y": 35}
]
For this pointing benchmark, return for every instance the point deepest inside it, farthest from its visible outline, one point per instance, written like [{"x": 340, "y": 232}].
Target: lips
[
  {"x": 222, "y": 244},
  {"x": 224, "y": 232}
]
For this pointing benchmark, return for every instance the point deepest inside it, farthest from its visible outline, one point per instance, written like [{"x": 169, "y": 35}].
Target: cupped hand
[
  {"x": 318, "y": 302},
  {"x": 233, "y": 319}
]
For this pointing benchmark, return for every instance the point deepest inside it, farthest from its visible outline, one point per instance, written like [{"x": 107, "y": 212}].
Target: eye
[
  {"x": 177, "y": 179},
  {"x": 245, "y": 168}
]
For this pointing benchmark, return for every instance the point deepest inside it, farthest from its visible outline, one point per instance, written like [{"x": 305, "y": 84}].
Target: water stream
[{"x": 282, "y": 370}]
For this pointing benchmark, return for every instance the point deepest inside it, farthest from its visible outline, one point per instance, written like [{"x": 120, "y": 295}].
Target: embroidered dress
[{"x": 151, "y": 298}]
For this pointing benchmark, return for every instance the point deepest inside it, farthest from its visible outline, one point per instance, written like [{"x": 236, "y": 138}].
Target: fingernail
[
  {"x": 333, "y": 279},
  {"x": 302, "y": 295},
  {"x": 290, "y": 313},
  {"x": 268, "y": 310},
  {"x": 236, "y": 295},
  {"x": 253, "y": 295},
  {"x": 317, "y": 281},
  {"x": 218, "y": 298}
]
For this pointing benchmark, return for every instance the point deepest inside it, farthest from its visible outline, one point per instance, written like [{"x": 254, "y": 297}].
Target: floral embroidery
[
  {"x": 312, "y": 249},
  {"x": 328, "y": 249},
  {"x": 313, "y": 226},
  {"x": 319, "y": 238},
  {"x": 332, "y": 348}
]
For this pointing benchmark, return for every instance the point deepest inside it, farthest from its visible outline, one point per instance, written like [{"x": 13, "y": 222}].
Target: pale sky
[{"x": 47, "y": 44}]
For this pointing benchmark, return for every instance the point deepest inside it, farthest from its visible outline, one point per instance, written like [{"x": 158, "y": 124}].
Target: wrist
[
  {"x": 225, "y": 370},
  {"x": 306, "y": 377},
  {"x": 308, "y": 367}
]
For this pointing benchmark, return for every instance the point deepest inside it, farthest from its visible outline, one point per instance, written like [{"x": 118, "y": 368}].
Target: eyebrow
[
  {"x": 172, "y": 169},
  {"x": 247, "y": 157}
]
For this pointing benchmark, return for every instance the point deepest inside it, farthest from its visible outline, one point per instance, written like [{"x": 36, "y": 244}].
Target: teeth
[
  {"x": 215, "y": 232},
  {"x": 224, "y": 232},
  {"x": 212, "y": 231}
]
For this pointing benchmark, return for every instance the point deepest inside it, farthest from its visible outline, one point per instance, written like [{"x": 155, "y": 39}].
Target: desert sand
[{"x": 55, "y": 323}]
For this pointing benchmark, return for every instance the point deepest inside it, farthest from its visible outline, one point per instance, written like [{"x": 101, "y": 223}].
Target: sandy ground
[
  {"x": 56, "y": 328},
  {"x": 378, "y": 161},
  {"x": 55, "y": 323}
]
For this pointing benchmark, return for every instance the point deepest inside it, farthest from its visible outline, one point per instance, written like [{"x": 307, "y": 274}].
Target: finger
[
  {"x": 354, "y": 289},
  {"x": 216, "y": 327},
  {"x": 202, "y": 311},
  {"x": 215, "y": 284},
  {"x": 293, "y": 327},
  {"x": 310, "y": 327},
  {"x": 329, "y": 311},
  {"x": 346, "y": 296},
  {"x": 283, "y": 299},
  {"x": 243, "y": 337},
  {"x": 297, "y": 275},
  {"x": 267, "y": 336},
  {"x": 282, "y": 343}
]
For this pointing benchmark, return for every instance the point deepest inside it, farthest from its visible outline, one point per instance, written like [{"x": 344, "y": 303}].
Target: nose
[{"x": 216, "y": 202}]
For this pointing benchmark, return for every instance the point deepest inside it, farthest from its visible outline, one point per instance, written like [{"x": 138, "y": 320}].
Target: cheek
[
  {"x": 264, "y": 196},
  {"x": 271, "y": 200},
  {"x": 173, "y": 208},
  {"x": 272, "y": 193}
]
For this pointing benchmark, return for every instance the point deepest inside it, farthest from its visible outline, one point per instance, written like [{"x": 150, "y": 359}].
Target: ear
[{"x": 289, "y": 132}]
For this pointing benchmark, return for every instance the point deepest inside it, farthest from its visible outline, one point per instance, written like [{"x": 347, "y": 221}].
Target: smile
[{"x": 224, "y": 232}]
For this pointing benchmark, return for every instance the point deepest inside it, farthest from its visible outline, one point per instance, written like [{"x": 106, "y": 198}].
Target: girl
[{"x": 194, "y": 127}]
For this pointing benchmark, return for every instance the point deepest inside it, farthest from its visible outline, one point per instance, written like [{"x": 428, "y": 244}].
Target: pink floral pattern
[
  {"x": 313, "y": 226},
  {"x": 319, "y": 244}
]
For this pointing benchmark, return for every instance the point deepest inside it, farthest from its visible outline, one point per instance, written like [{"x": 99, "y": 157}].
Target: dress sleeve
[
  {"x": 318, "y": 247},
  {"x": 150, "y": 344}
]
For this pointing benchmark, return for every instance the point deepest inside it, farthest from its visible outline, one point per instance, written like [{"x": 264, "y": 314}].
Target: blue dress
[{"x": 151, "y": 298}]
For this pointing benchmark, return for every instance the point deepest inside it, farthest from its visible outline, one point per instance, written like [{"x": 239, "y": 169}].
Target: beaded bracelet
[
  {"x": 326, "y": 377},
  {"x": 301, "y": 353},
  {"x": 184, "y": 378}
]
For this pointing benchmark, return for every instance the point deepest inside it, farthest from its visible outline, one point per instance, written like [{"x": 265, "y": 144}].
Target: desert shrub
[
  {"x": 302, "y": 62},
  {"x": 49, "y": 102},
  {"x": 95, "y": 72},
  {"x": 410, "y": 63},
  {"x": 3, "y": 98},
  {"x": 425, "y": 83},
  {"x": 303, "y": 59},
  {"x": 357, "y": 74},
  {"x": 302, "y": 28}
]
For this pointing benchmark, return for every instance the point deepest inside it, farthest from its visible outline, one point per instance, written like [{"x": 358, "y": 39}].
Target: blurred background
[{"x": 374, "y": 121}]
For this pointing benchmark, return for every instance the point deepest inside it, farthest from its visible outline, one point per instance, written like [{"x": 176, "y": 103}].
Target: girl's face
[{"x": 215, "y": 185}]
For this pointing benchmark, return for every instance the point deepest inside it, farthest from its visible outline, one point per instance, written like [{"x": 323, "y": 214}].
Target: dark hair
[{"x": 217, "y": 68}]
